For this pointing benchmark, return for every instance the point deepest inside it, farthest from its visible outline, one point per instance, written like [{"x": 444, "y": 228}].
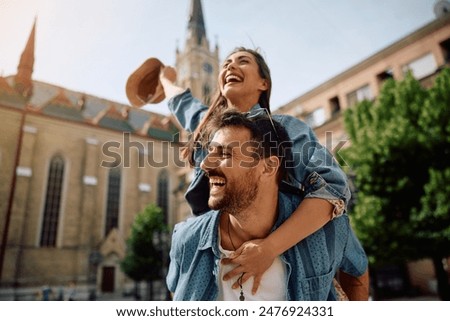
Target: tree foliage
[
  {"x": 144, "y": 256},
  {"x": 400, "y": 155}
]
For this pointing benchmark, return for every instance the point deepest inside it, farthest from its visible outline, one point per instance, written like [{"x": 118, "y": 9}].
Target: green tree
[
  {"x": 144, "y": 259},
  {"x": 400, "y": 155}
]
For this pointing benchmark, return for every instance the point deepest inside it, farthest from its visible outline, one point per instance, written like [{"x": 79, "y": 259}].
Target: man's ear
[{"x": 271, "y": 165}]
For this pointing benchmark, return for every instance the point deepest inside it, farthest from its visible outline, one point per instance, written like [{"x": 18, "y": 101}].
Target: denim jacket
[
  {"x": 311, "y": 264},
  {"x": 314, "y": 170}
]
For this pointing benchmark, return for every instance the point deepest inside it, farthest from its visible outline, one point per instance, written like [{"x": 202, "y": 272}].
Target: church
[{"x": 76, "y": 169}]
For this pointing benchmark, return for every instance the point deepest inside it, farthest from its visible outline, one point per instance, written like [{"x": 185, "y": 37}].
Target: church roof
[
  {"x": 8, "y": 95},
  {"x": 55, "y": 101},
  {"x": 60, "y": 106},
  {"x": 115, "y": 119},
  {"x": 5, "y": 88},
  {"x": 162, "y": 128},
  {"x": 22, "y": 92}
]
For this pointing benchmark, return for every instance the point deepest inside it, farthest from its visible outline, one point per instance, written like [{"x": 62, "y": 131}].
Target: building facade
[
  {"x": 424, "y": 52},
  {"x": 76, "y": 169}
]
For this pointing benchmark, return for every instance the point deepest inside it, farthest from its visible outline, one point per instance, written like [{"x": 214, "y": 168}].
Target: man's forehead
[{"x": 230, "y": 136}]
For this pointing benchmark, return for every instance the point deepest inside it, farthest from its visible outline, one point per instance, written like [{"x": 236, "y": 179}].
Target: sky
[{"x": 92, "y": 46}]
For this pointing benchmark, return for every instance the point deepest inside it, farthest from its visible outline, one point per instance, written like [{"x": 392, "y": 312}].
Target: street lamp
[{"x": 12, "y": 191}]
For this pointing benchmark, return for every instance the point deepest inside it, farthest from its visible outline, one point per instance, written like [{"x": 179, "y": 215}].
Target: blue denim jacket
[
  {"x": 311, "y": 264},
  {"x": 312, "y": 162}
]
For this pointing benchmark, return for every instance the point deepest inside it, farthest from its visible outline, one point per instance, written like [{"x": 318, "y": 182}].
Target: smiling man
[{"x": 245, "y": 166}]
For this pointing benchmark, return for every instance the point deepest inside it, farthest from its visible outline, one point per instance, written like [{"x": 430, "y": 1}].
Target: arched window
[
  {"x": 113, "y": 200},
  {"x": 163, "y": 196},
  {"x": 52, "y": 202}
]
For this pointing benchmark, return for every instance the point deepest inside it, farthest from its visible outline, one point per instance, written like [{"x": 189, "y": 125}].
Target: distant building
[
  {"x": 76, "y": 169},
  {"x": 197, "y": 64},
  {"x": 424, "y": 52}
]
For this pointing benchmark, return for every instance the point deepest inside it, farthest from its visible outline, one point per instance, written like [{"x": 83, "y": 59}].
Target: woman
[{"x": 245, "y": 84}]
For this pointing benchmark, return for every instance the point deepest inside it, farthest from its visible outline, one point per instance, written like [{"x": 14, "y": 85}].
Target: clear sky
[{"x": 92, "y": 46}]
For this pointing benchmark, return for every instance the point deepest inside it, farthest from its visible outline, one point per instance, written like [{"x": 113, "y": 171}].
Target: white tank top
[{"x": 271, "y": 288}]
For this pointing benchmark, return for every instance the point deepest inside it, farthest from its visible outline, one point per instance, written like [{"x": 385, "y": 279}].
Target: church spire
[
  {"x": 23, "y": 81},
  {"x": 197, "y": 65},
  {"x": 196, "y": 25}
]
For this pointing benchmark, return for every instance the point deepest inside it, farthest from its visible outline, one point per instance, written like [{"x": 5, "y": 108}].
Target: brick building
[{"x": 76, "y": 169}]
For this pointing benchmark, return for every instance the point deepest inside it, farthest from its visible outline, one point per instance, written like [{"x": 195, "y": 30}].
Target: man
[{"x": 244, "y": 170}]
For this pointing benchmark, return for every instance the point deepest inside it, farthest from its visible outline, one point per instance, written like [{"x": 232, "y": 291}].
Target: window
[
  {"x": 385, "y": 75},
  {"x": 421, "y": 67},
  {"x": 360, "y": 94},
  {"x": 163, "y": 189},
  {"x": 113, "y": 200},
  {"x": 207, "y": 68},
  {"x": 52, "y": 202},
  {"x": 316, "y": 118},
  {"x": 445, "y": 47},
  {"x": 335, "y": 106}
]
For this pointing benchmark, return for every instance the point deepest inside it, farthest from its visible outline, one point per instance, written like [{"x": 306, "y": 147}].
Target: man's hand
[{"x": 253, "y": 259}]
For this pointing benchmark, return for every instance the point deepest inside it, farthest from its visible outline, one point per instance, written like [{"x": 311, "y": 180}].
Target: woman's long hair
[{"x": 219, "y": 103}]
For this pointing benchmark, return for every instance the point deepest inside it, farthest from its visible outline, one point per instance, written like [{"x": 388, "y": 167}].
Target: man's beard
[{"x": 237, "y": 196}]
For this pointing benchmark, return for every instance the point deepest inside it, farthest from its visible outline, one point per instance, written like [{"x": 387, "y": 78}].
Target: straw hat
[{"x": 143, "y": 85}]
